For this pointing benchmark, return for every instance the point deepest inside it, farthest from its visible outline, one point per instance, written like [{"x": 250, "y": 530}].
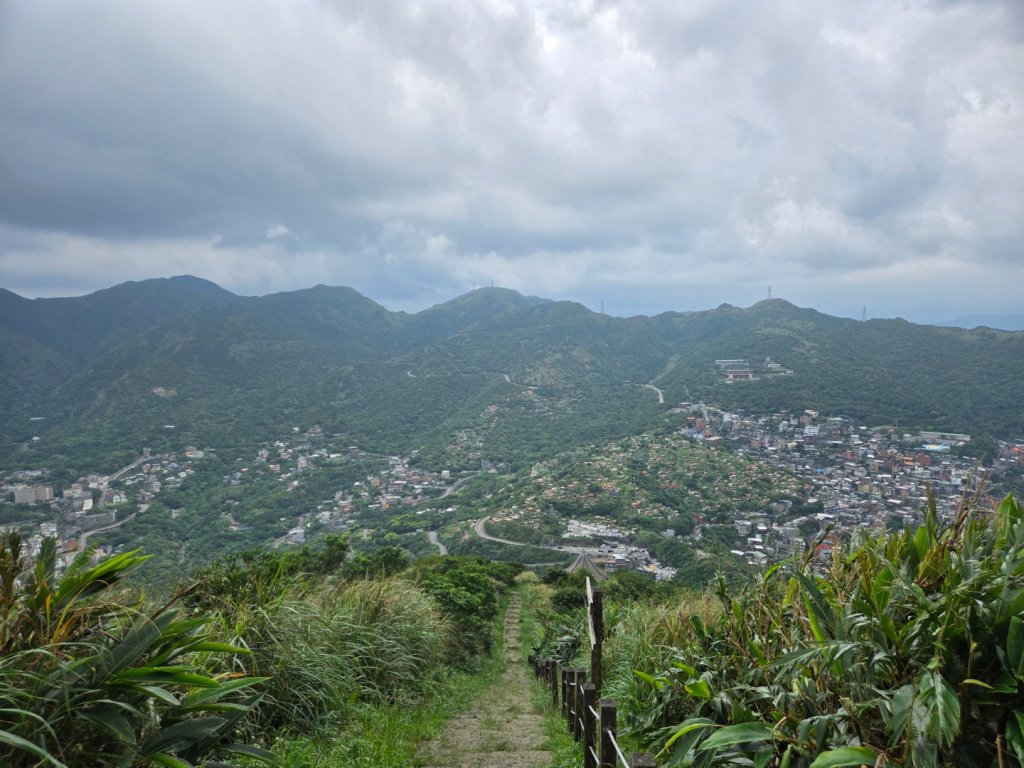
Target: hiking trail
[{"x": 501, "y": 729}]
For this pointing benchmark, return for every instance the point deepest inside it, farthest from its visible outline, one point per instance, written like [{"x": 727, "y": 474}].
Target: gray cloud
[{"x": 669, "y": 155}]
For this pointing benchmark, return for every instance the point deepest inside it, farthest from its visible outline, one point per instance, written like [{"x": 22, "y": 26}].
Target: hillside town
[
  {"x": 863, "y": 478},
  {"x": 851, "y": 476}
]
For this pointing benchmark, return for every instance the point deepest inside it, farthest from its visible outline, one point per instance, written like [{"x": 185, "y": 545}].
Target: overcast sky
[{"x": 654, "y": 154}]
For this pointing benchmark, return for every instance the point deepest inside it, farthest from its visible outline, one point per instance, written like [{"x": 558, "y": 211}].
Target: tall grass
[{"x": 346, "y": 643}]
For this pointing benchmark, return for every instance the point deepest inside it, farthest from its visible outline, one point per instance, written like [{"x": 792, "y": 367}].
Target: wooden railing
[{"x": 590, "y": 719}]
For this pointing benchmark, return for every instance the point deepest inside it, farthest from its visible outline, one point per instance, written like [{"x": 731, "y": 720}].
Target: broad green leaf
[
  {"x": 160, "y": 693},
  {"x": 844, "y": 756},
  {"x": 181, "y": 736},
  {"x": 167, "y": 676},
  {"x": 980, "y": 683},
  {"x": 819, "y": 611},
  {"x": 17, "y": 742},
  {"x": 685, "y": 668},
  {"x": 250, "y": 751},
  {"x": 162, "y": 758},
  {"x": 941, "y": 705},
  {"x": 214, "y": 647},
  {"x": 208, "y": 695},
  {"x": 699, "y": 689},
  {"x": 111, "y": 719},
  {"x": 649, "y": 679},
  {"x": 736, "y": 734},
  {"x": 687, "y": 727},
  {"x": 1015, "y": 646},
  {"x": 1015, "y": 734}
]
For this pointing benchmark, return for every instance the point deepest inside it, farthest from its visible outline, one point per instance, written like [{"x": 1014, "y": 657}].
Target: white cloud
[{"x": 674, "y": 155}]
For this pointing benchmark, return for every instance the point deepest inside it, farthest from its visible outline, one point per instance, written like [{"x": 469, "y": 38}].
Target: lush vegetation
[
  {"x": 520, "y": 377},
  {"x": 904, "y": 649},
  {"x": 296, "y": 657},
  {"x": 89, "y": 677}
]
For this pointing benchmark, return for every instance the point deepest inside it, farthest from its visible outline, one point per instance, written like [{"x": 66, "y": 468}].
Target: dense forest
[{"x": 176, "y": 362}]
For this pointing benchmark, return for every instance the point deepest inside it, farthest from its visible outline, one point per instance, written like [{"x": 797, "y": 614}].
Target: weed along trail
[{"x": 501, "y": 729}]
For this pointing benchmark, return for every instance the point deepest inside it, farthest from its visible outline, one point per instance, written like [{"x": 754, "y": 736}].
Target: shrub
[
  {"x": 87, "y": 679},
  {"x": 907, "y": 650}
]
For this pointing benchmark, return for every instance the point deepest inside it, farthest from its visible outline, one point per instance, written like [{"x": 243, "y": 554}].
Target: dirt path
[{"x": 500, "y": 729}]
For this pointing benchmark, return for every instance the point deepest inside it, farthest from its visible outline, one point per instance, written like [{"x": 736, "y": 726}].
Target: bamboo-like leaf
[
  {"x": 1015, "y": 646},
  {"x": 845, "y": 756},
  {"x": 17, "y": 742},
  {"x": 1015, "y": 734},
  {"x": 181, "y": 736},
  {"x": 167, "y": 676},
  {"x": 687, "y": 727},
  {"x": 698, "y": 689},
  {"x": 736, "y": 734},
  {"x": 111, "y": 719},
  {"x": 158, "y": 692},
  {"x": 206, "y": 696},
  {"x": 939, "y": 701},
  {"x": 170, "y": 761},
  {"x": 250, "y": 751}
]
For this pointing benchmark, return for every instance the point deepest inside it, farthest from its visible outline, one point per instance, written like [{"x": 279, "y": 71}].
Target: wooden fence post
[
  {"x": 607, "y": 732},
  {"x": 574, "y": 697},
  {"x": 589, "y": 745},
  {"x": 565, "y": 693},
  {"x": 597, "y": 622},
  {"x": 577, "y": 704}
]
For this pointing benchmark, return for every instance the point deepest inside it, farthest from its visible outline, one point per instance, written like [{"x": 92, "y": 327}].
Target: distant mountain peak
[
  {"x": 998, "y": 322},
  {"x": 773, "y": 304}
]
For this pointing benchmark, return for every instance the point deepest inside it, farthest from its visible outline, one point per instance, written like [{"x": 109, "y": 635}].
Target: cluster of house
[
  {"x": 91, "y": 502},
  {"x": 863, "y": 478},
  {"x": 614, "y": 554}
]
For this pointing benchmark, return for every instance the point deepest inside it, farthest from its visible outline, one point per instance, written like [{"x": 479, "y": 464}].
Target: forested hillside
[{"x": 171, "y": 363}]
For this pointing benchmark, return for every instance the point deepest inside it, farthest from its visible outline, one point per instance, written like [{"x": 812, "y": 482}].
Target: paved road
[
  {"x": 121, "y": 471},
  {"x": 441, "y": 548},
  {"x": 481, "y": 531},
  {"x": 458, "y": 484},
  {"x": 661, "y": 395},
  {"x": 83, "y": 540}
]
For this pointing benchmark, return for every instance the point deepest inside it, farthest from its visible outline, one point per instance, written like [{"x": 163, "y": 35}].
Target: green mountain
[
  {"x": 43, "y": 342},
  {"x": 504, "y": 376}
]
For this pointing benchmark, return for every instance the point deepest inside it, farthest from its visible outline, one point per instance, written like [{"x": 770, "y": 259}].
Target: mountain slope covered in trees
[{"x": 113, "y": 370}]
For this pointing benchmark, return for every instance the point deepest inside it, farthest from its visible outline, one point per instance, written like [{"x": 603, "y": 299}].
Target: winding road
[
  {"x": 661, "y": 395},
  {"x": 456, "y": 485},
  {"x": 83, "y": 540},
  {"x": 441, "y": 548},
  {"x": 481, "y": 531}
]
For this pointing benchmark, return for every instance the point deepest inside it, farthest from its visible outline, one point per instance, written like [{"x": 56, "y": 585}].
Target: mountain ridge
[{"x": 225, "y": 367}]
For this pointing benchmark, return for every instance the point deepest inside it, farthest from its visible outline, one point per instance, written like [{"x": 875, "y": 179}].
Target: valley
[{"x": 240, "y": 422}]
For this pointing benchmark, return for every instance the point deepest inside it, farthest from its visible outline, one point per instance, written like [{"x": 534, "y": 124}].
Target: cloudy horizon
[{"x": 654, "y": 156}]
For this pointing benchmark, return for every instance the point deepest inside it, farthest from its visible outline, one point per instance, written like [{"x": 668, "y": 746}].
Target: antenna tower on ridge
[
  {"x": 602, "y": 306},
  {"x": 864, "y": 313},
  {"x": 769, "y": 291}
]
